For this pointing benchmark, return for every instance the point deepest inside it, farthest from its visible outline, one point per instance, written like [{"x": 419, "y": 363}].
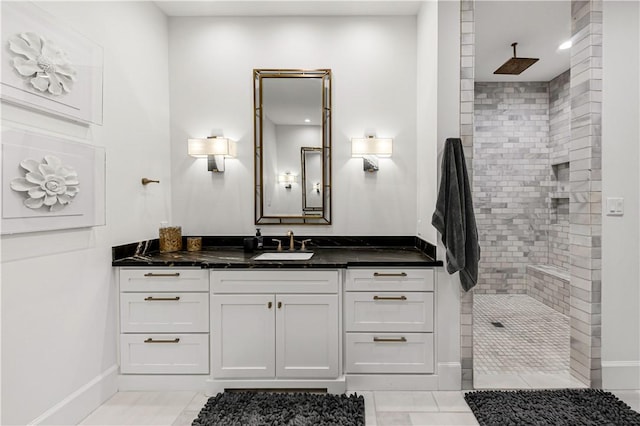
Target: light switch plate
[{"x": 615, "y": 206}]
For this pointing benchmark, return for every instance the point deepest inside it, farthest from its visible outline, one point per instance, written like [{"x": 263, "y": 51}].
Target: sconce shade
[
  {"x": 287, "y": 178},
  {"x": 212, "y": 146},
  {"x": 380, "y": 147}
]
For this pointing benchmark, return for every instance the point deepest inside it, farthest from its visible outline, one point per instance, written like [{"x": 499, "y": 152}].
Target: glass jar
[{"x": 170, "y": 238}]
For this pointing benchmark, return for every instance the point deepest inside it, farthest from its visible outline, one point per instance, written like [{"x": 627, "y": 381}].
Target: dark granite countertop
[{"x": 335, "y": 256}]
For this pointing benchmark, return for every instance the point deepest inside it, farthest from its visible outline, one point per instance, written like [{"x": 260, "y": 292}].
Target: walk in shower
[
  {"x": 521, "y": 198},
  {"x": 533, "y": 146}
]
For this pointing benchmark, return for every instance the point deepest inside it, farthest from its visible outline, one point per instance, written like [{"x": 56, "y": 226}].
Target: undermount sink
[{"x": 285, "y": 256}]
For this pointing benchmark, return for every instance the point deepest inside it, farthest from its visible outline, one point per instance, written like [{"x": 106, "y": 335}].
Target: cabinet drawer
[
  {"x": 164, "y": 279},
  {"x": 274, "y": 281},
  {"x": 386, "y": 311},
  {"x": 164, "y": 312},
  {"x": 389, "y": 352},
  {"x": 390, "y": 279},
  {"x": 164, "y": 353}
]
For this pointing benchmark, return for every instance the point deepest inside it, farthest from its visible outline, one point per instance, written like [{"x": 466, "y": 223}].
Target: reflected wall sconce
[
  {"x": 287, "y": 178},
  {"x": 215, "y": 149},
  {"x": 370, "y": 149}
]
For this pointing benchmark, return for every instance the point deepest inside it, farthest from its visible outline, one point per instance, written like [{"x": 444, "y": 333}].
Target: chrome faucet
[{"x": 292, "y": 246}]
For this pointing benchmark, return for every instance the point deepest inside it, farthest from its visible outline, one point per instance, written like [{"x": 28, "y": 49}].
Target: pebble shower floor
[{"x": 534, "y": 339}]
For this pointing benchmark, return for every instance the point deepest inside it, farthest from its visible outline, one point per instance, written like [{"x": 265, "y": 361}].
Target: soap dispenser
[{"x": 259, "y": 239}]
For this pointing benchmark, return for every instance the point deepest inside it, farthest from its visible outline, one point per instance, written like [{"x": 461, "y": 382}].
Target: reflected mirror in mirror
[
  {"x": 311, "y": 165},
  {"x": 292, "y": 146}
]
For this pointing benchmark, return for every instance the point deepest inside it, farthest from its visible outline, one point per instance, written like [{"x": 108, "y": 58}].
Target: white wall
[
  {"x": 373, "y": 60},
  {"x": 427, "y": 119},
  {"x": 438, "y": 56},
  {"x": 620, "y": 178},
  {"x": 59, "y": 299}
]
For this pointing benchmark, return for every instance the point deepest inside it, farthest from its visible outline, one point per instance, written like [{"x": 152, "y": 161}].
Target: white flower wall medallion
[
  {"x": 47, "y": 184},
  {"x": 43, "y": 62}
]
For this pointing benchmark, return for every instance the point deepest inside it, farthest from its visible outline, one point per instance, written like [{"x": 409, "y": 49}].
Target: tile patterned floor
[
  {"x": 534, "y": 339},
  {"x": 392, "y": 408},
  {"x": 531, "y": 351},
  {"x": 381, "y": 409}
]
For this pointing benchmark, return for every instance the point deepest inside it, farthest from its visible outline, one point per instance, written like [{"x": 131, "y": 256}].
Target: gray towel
[{"x": 454, "y": 217}]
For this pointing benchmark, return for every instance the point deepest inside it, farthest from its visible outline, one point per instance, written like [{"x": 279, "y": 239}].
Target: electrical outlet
[{"x": 615, "y": 206}]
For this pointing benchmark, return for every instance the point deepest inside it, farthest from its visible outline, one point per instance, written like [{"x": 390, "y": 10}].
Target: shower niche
[
  {"x": 562, "y": 186},
  {"x": 559, "y": 194},
  {"x": 559, "y": 216}
]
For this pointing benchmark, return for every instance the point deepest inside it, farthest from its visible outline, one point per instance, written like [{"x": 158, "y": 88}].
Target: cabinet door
[
  {"x": 386, "y": 311},
  {"x": 242, "y": 336},
  {"x": 389, "y": 353},
  {"x": 307, "y": 336},
  {"x": 163, "y": 279},
  {"x": 164, "y": 353},
  {"x": 164, "y": 312},
  {"x": 385, "y": 279}
]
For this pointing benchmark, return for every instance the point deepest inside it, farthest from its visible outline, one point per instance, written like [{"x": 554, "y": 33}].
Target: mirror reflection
[
  {"x": 311, "y": 164},
  {"x": 292, "y": 145}
]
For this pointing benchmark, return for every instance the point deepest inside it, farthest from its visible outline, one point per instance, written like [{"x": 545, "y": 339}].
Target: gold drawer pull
[
  {"x": 382, "y": 274},
  {"x": 152, "y": 274},
  {"x": 389, "y": 298},
  {"x": 155, "y": 299},
  {"x": 384, "y": 339},
  {"x": 150, "y": 340}
]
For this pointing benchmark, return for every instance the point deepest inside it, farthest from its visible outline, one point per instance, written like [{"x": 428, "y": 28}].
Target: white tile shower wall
[
  {"x": 559, "y": 145},
  {"x": 559, "y": 118},
  {"x": 559, "y": 232},
  {"x": 512, "y": 178},
  {"x": 586, "y": 190},
  {"x": 467, "y": 76}
]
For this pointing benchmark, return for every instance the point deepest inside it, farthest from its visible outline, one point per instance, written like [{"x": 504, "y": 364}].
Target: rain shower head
[{"x": 515, "y": 65}]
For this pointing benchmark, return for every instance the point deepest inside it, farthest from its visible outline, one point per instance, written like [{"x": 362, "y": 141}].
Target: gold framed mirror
[{"x": 292, "y": 146}]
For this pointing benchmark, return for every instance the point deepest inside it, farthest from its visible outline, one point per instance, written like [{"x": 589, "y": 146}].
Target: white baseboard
[
  {"x": 162, "y": 382},
  {"x": 82, "y": 402},
  {"x": 449, "y": 376},
  {"x": 386, "y": 382},
  {"x": 619, "y": 375}
]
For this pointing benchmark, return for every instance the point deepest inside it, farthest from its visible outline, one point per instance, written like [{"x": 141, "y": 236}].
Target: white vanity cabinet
[
  {"x": 275, "y": 328},
  {"x": 389, "y": 324},
  {"x": 164, "y": 321}
]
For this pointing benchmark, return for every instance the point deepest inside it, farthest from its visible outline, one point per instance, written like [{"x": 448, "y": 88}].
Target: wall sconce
[
  {"x": 215, "y": 149},
  {"x": 287, "y": 178},
  {"x": 370, "y": 149}
]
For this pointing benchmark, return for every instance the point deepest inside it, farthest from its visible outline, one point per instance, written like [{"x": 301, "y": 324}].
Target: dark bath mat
[
  {"x": 279, "y": 409},
  {"x": 562, "y": 407}
]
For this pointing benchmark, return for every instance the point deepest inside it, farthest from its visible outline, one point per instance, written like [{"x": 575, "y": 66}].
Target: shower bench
[{"x": 550, "y": 285}]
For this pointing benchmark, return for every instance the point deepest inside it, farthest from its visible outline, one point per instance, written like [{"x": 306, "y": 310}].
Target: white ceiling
[
  {"x": 290, "y": 101},
  {"x": 288, "y": 7},
  {"x": 537, "y": 26}
]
